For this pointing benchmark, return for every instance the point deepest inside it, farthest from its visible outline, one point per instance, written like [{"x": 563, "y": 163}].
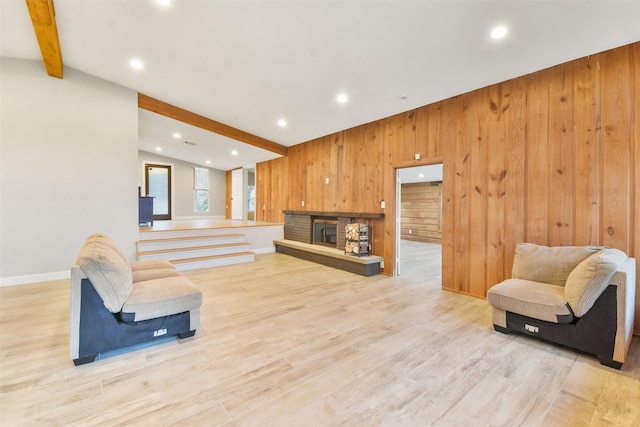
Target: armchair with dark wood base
[
  {"x": 581, "y": 297},
  {"x": 117, "y": 304}
]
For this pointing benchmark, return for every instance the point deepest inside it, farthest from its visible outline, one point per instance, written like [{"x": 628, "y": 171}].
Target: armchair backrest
[
  {"x": 548, "y": 264},
  {"x": 107, "y": 269}
]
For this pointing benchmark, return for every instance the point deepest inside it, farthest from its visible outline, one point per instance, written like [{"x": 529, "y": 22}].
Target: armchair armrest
[{"x": 625, "y": 281}]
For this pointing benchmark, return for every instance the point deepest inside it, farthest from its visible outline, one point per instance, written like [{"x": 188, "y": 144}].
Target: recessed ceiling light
[
  {"x": 282, "y": 123},
  {"x": 342, "y": 98},
  {"x": 421, "y": 175},
  {"x": 234, "y": 152},
  {"x": 158, "y": 148},
  {"x": 208, "y": 162},
  {"x": 177, "y": 135},
  {"x": 499, "y": 32},
  {"x": 164, "y": 2},
  {"x": 136, "y": 64}
]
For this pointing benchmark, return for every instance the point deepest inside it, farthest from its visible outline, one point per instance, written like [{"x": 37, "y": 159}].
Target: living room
[{"x": 70, "y": 168}]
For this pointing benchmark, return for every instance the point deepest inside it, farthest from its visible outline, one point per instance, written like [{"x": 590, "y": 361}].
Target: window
[{"x": 201, "y": 190}]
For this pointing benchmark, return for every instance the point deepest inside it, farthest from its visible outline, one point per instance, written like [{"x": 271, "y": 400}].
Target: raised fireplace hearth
[
  {"x": 298, "y": 225},
  {"x": 320, "y": 232}
]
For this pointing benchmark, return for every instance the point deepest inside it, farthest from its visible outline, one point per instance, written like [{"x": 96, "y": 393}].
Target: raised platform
[
  {"x": 364, "y": 265},
  {"x": 205, "y": 243}
]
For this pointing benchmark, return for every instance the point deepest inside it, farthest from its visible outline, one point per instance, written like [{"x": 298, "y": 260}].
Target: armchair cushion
[
  {"x": 161, "y": 297},
  {"x": 590, "y": 278},
  {"x": 152, "y": 269},
  {"x": 154, "y": 273},
  {"x": 538, "y": 300},
  {"x": 150, "y": 264},
  {"x": 548, "y": 264},
  {"x": 109, "y": 273}
]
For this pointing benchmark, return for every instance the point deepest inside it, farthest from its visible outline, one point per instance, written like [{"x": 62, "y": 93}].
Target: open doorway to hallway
[{"x": 419, "y": 223}]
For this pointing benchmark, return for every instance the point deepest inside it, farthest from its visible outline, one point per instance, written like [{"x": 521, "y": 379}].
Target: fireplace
[
  {"x": 299, "y": 226},
  {"x": 304, "y": 228},
  {"x": 325, "y": 232}
]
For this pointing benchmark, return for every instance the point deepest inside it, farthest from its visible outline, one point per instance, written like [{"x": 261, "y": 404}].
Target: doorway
[
  {"x": 419, "y": 220},
  {"x": 237, "y": 194},
  {"x": 158, "y": 185},
  {"x": 250, "y": 178}
]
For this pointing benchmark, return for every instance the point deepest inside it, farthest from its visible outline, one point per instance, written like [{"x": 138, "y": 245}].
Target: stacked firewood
[
  {"x": 357, "y": 239},
  {"x": 352, "y": 231},
  {"x": 352, "y": 247}
]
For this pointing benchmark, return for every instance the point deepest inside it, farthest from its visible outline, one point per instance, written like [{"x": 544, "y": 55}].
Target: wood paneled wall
[
  {"x": 421, "y": 207},
  {"x": 551, "y": 158}
]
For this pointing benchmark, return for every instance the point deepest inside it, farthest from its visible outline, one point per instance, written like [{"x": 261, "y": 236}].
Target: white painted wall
[
  {"x": 183, "y": 186},
  {"x": 68, "y": 168}
]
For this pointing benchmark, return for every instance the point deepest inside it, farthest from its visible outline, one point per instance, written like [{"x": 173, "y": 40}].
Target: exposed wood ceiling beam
[
  {"x": 168, "y": 110},
  {"x": 43, "y": 18}
]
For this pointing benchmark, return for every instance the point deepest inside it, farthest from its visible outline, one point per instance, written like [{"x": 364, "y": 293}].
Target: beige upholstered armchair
[
  {"x": 581, "y": 297},
  {"x": 116, "y": 304}
]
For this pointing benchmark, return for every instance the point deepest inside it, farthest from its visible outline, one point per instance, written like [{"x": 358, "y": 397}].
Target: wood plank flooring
[{"x": 285, "y": 342}]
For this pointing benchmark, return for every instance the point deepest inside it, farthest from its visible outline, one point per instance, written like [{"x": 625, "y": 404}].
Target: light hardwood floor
[{"x": 285, "y": 342}]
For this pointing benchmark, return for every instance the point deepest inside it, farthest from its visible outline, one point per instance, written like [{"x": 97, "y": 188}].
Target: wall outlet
[
  {"x": 410, "y": 231},
  {"x": 302, "y": 203},
  {"x": 382, "y": 264},
  {"x": 326, "y": 180},
  {"x": 382, "y": 204}
]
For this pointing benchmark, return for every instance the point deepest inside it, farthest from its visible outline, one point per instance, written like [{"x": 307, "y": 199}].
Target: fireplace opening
[{"x": 325, "y": 232}]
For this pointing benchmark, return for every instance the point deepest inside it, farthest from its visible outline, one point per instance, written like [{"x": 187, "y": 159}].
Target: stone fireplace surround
[{"x": 298, "y": 225}]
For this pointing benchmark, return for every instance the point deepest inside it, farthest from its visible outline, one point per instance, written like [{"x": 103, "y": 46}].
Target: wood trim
[
  {"x": 227, "y": 198},
  {"x": 43, "y": 18},
  {"x": 169, "y": 167},
  {"x": 425, "y": 161},
  {"x": 635, "y": 179},
  {"x": 377, "y": 215},
  {"x": 151, "y": 104}
]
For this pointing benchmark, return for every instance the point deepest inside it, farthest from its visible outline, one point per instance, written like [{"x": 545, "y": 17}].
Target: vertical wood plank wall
[{"x": 551, "y": 158}]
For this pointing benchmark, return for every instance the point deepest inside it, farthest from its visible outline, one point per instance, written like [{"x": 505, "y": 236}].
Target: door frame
[
  {"x": 239, "y": 173},
  {"x": 143, "y": 183},
  {"x": 397, "y": 265}
]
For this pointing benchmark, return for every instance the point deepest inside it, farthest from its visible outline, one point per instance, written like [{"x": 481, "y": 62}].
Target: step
[
  {"x": 187, "y": 242},
  {"x": 195, "y": 252},
  {"x": 179, "y": 234},
  {"x": 213, "y": 261}
]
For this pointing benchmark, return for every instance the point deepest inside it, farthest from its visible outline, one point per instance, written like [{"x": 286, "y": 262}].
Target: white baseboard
[
  {"x": 34, "y": 278},
  {"x": 183, "y": 218},
  {"x": 61, "y": 275}
]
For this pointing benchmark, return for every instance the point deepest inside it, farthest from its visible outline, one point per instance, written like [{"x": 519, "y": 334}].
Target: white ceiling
[
  {"x": 249, "y": 63},
  {"x": 429, "y": 173}
]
